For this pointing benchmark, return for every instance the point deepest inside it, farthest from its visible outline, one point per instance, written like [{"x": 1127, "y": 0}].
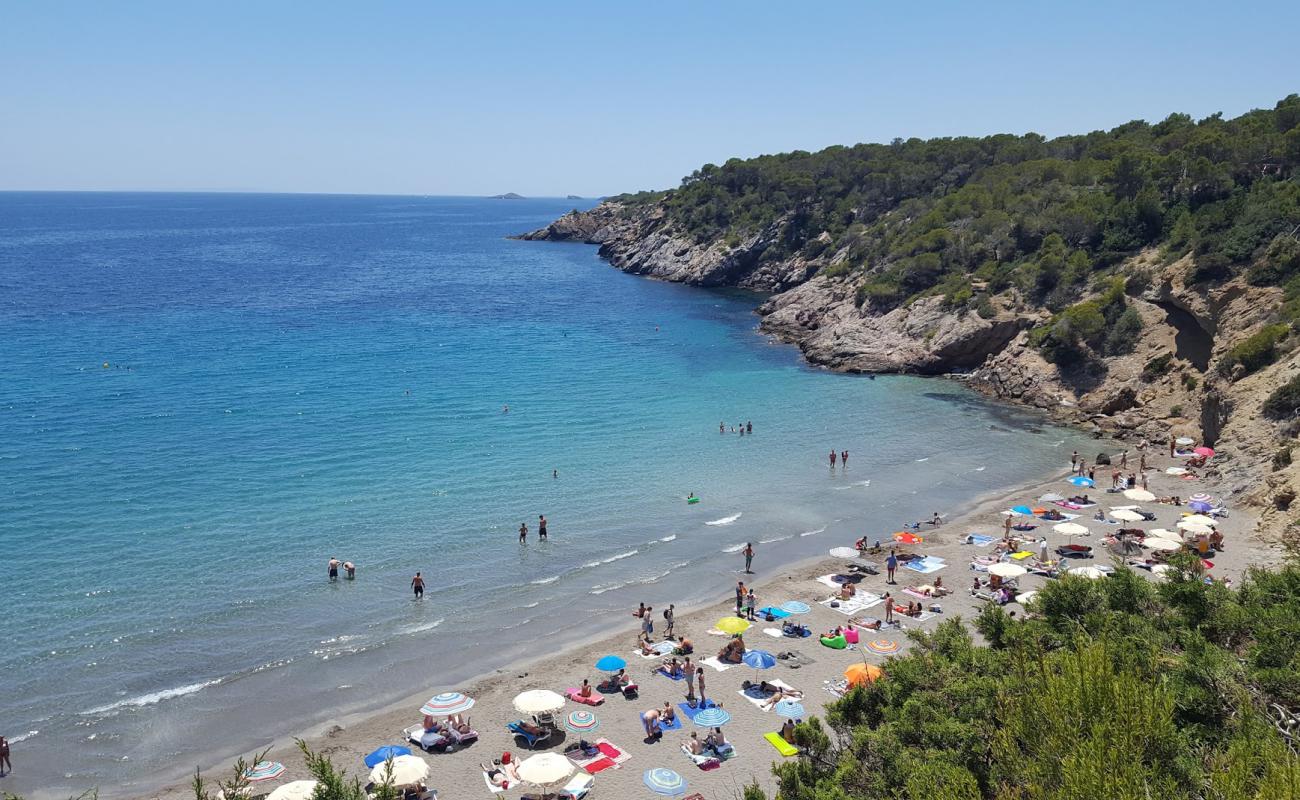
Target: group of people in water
[
  {"x": 541, "y": 530},
  {"x": 842, "y": 457},
  {"x": 743, "y": 428}
]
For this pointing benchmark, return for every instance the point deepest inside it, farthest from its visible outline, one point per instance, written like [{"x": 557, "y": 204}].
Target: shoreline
[{"x": 347, "y": 738}]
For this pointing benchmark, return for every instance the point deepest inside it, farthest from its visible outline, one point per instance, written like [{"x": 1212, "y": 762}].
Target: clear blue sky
[{"x": 583, "y": 98}]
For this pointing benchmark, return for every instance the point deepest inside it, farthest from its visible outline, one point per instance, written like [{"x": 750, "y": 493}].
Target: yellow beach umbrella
[{"x": 732, "y": 625}]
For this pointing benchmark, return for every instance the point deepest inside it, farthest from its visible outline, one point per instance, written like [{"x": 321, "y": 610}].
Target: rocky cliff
[{"x": 1168, "y": 383}]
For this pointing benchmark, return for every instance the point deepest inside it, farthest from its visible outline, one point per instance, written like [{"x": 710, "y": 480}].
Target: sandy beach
[{"x": 457, "y": 774}]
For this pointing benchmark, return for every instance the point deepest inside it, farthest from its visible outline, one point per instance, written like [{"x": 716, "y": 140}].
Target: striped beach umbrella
[
  {"x": 884, "y": 647},
  {"x": 712, "y": 718},
  {"x": 662, "y": 780},
  {"x": 446, "y": 704},
  {"x": 795, "y": 607},
  {"x": 789, "y": 708},
  {"x": 264, "y": 771},
  {"x": 581, "y": 721},
  {"x": 1202, "y": 497}
]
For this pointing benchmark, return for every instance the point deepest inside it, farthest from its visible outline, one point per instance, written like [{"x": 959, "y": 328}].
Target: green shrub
[
  {"x": 1254, "y": 352},
  {"x": 838, "y": 270},
  {"x": 1157, "y": 367},
  {"x": 984, "y": 307},
  {"x": 1284, "y": 402},
  {"x": 881, "y": 294},
  {"x": 1189, "y": 381},
  {"x": 1176, "y": 411},
  {"x": 1123, "y": 335}
]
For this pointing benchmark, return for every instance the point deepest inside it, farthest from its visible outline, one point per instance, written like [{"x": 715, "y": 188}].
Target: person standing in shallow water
[
  {"x": 749, "y": 557},
  {"x": 417, "y": 586},
  {"x": 523, "y": 533},
  {"x": 833, "y": 457},
  {"x": 541, "y": 527},
  {"x": 844, "y": 458},
  {"x": 334, "y": 568}
]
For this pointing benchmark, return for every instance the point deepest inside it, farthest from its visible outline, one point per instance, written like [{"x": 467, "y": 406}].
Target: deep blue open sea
[{"x": 203, "y": 397}]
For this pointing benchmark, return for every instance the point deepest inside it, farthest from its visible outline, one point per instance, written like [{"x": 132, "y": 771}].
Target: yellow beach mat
[
  {"x": 782, "y": 746},
  {"x": 1023, "y": 554}
]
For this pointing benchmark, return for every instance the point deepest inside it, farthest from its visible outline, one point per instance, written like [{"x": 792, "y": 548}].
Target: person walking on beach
[
  {"x": 1006, "y": 527},
  {"x": 647, "y": 623},
  {"x": 891, "y": 564},
  {"x": 749, "y": 557},
  {"x": 5, "y": 766},
  {"x": 699, "y": 678},
  {"x": 1123, "y": 460},
  {"x": 833, "y": 456},
  {"x": 541, "y": 527},
  {"x": 1042, "y": 549},
  {"x": 1171, "y": 445},
  {"x": 334, "y": 569},
  {"x": 669, "y": 619},
  {"x": 750, "y": 602},
  {"x": 417, "y": 586},
  {"x": 523, "y": 533},
  {"x": 688, "y": 669}
]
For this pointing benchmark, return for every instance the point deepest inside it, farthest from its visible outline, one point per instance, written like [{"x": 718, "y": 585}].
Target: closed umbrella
[
  {"x": 1163, "y": 545},
  {"x": 1091, "y": 573},
  {"x": 712, "y": 718},
  {"x": 1005, "y": 570},
  {"x": 581, "y": 721},
  {"x": 538, "y": 701},
  {"x": 1199, "y": 519},
  {"x": 862, "y": 673},
  {"x": 1140, "y": 495},
  {"x": 732, "y": 625},
  {"x": 386, "y": 752},
  {"x": 759, "y": 659},
  {"x": 293, "y": 790},
  {"x": 789, "y": 708},
  {"x": 611, "y": 664},
  {"x": 544, "y": 770},
  {"x": 1079, "y": 480},
  {"x": 446, "y": 704},
  {"x": 795, "y": 607},
  {"x": 1070, "y": 528},
  {"x": 662, "y": 780},
  {"x": 264, "y": 771},
  {"x": 407, "y": 771}
]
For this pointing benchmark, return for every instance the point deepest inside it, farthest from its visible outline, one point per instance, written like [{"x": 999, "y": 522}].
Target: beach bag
[
  {"x": 665, "y": 613},
  {"x": 650, "y": 626}
]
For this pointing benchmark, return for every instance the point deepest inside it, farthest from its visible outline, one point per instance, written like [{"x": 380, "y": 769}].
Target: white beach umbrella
[
  {"x": 1025, "y": 597},
  {"x": 1161, "y": 569},
  {"x": 1124, "y": 515},
  {"x": 1164, "y": 545},
  {"x": 1200, "y": 519},
  {"x": 1176, "y": 471},
  {"x": 1140, "y": 495},
  {"x": 1184, "y": 441},
  {"x": 293, "y": 790},
  {"x": 845, "y": 552},
  {"x": 538, "y": 701},
  {"x": 1091, "y": 573},
  {"x": 1051, "y": 497},
  {"x": 1163, "y": 533},
  {"x": 1193, "y": 527},
  {"x": 407, "y": 770},
  {"x": 544, "y": 770},
  {"x": 1070, "y": 529},
  {"x": 1005, "y": 570}
]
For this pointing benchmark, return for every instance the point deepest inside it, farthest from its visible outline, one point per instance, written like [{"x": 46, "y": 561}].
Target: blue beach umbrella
[
  {"x": 1026, "y": 510},
  {"x": 386, "y": 752},
  {"x": 712, "y": 718},
  {"x": 1079, "y": 480},
  {"x": 789, "y": 708},
  {"x": 664, "y": 781},
  {"x": 759, "y": 659},
  {"x": 795, "y": 607},
  {"x": 1200, "y": 507},
  {"x": 611, "y": 664}
]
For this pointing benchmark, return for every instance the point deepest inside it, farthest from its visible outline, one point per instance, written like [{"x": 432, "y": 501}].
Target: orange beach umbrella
[{"x": 862, "y": 674}]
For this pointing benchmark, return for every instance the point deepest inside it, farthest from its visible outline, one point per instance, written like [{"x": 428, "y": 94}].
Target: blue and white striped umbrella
[
  {"x": 795, "y": 607},
  {"x": 661, "y": 780},
  {"x": 264, "y": 771},
  {"x": 446, "y": 704},
  {"x": 712, "y": 718},
  {"x": 789, "y": 708}
]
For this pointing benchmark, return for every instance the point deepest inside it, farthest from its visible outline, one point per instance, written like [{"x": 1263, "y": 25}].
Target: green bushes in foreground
[{"x": 1120, "y": 689}]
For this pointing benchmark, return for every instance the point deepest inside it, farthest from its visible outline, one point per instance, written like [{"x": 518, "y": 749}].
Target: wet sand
[{"x": 457, "y": 775}]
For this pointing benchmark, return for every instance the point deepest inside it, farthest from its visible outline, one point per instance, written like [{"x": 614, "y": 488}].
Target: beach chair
[
  {"x": 532, "y": 740},
  {"x": 578, "y": 788},
  {"x": 429, "y": 741},
  {"x": 631, "y": 691},
  {"x": 463, "y": 738},
  {"x": 703, "y": 760}
]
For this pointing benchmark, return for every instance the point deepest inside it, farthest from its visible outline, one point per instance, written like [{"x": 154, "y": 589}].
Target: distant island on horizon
[{"x": 508, "y": 196}]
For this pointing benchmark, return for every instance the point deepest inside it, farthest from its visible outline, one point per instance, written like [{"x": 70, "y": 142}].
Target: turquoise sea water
[{"x": 204, "y": 397}]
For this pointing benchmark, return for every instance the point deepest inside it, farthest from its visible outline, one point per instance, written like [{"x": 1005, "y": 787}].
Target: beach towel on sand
[
  {"x": 775, "y": 613},
  {"x": 675, "y": 725},
  {"x": 979, "y": 540},
  {"x": 759, "y": 699},
  {"x": 592, "y": 764},
  {"x": 681, "y": 676},
  {"x": 491, "y": 788},
  {"x": 716, "y": 664},
  {"x": 926, "y": 565},
  {"x": 690, "y": 713},
  {"x": 782, "y": 746},
  {"x": 611, "y": 751}
]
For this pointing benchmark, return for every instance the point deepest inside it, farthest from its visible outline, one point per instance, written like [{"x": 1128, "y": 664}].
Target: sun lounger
[
  {"x": 704, "y": 760},
  {"x": 593, "y": 700},
  {"x": 463, "y": 738},
  {"x": 532, "y": 739},
  {"x": 782, "y": 746}
]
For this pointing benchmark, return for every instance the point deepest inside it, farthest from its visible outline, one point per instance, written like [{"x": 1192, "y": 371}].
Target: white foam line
[
  {"x": 822, "y": 529},
  {"x": 725, "y": 520},
  {"x": 775, "y": 539},
  {"x": 428, "y": 626},
  {"x": 152, "y": 698},
  {"x": 735, "y": 548},
  {"x": 544, "y": 581},
  {"x": 668, "y": 538},
  {"x": 612, "y": 559}
]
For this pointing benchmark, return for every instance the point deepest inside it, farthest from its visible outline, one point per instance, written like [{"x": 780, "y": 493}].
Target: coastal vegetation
[
  {"x": 1036, "y": 222},
  {"x": 1122, "y": 688}
]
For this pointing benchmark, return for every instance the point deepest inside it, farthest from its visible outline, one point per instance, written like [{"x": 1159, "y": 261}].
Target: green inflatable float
[{"x": 835, "y": 642}]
